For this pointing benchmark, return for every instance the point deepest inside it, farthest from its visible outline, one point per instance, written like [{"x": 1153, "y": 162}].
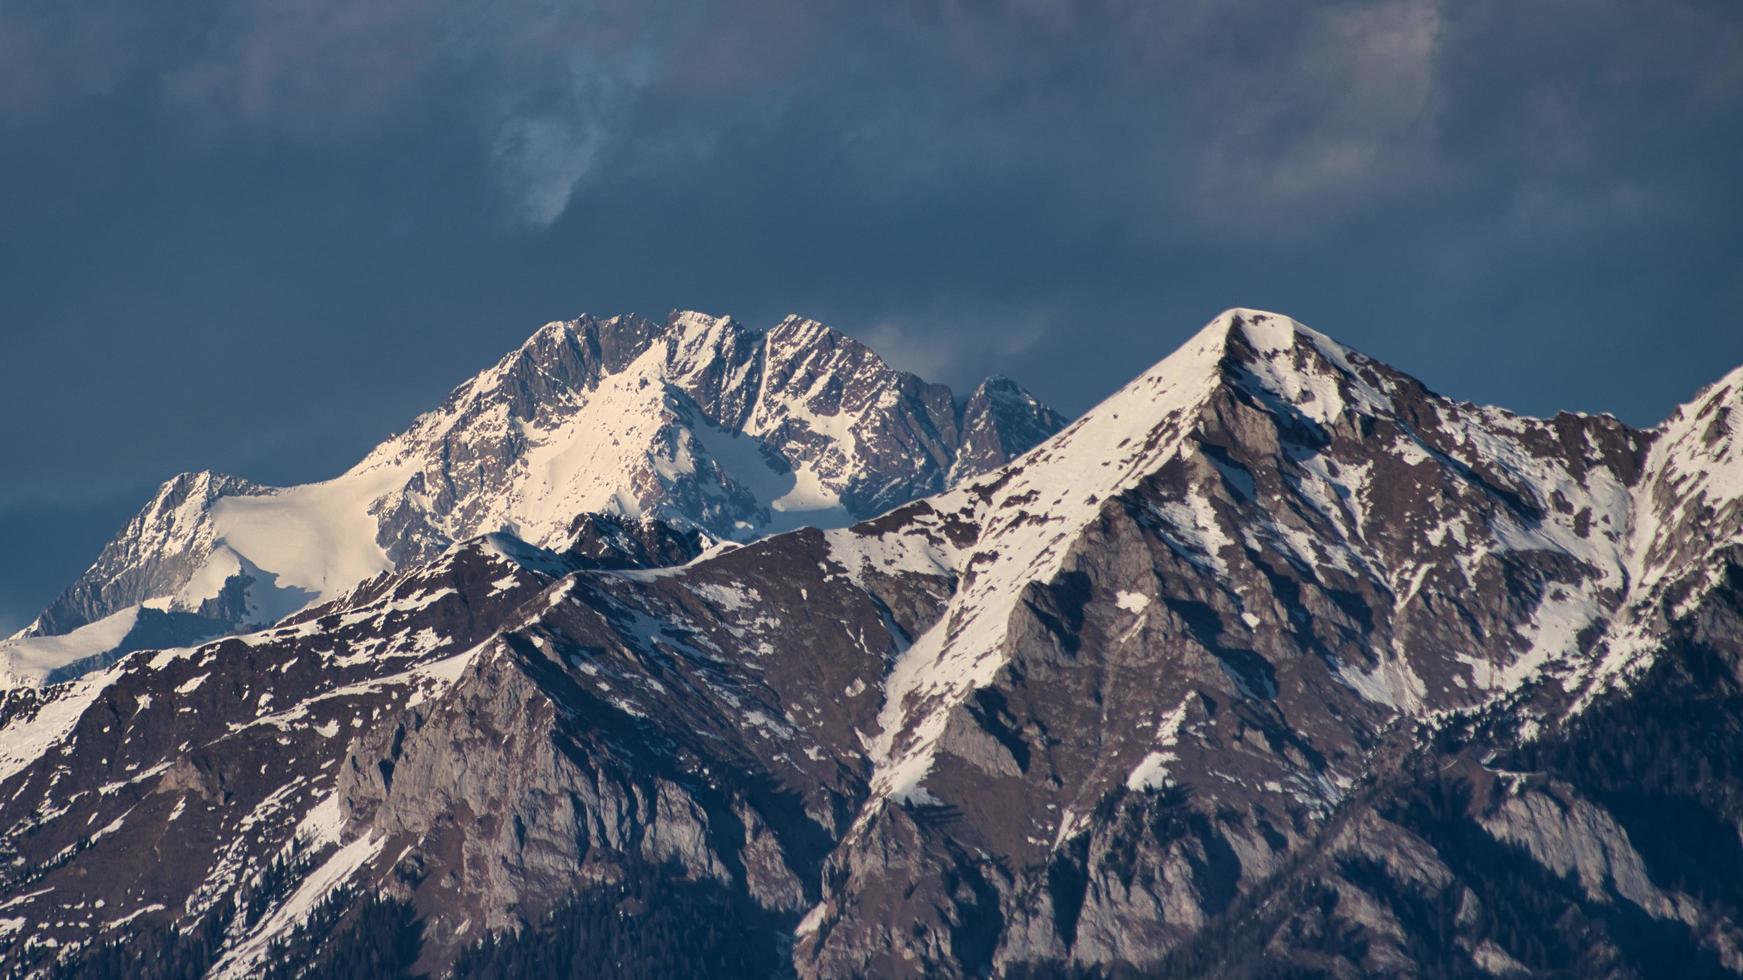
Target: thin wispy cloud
[
  {"x": 1195, "y": 109},
  {"x": 951, "y": 345}
]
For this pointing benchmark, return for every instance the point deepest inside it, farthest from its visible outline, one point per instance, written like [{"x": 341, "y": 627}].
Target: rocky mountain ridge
[
  {"x": 699, "y": 422},
  {"x": 1274, "y": 663}
]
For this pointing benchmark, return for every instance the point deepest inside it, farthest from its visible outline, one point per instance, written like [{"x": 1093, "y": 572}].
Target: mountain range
[
  {"x": 693, "y": 650},
  {"x": 700, "y": 423}
]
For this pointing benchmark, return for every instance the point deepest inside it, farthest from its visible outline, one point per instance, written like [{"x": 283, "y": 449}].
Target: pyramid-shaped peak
[
  {"x": 1262, "y": 328},
  {"x": 698, "y": 341},
  {"x": 1262, "y": 351},
  {"x": 1230, "y": 334},
  {"x": 1267, "y": 333},
  {"x": 1255, "y": 355},
  {"x": 799, "y": 343}
]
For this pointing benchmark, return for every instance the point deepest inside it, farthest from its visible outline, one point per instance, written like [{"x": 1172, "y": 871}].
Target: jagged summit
[
  {"x": 1001, "y": 420},
  {"x": 1261, "y": 441},
  {"x": 699, "y": 422}
]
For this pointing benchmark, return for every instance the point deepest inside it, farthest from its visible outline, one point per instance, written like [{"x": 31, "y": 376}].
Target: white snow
[
  {"x": 1687, "y": 504},
  {"x": 1152, "y": 771},
  {"x": 435, "y": 678},
  {"x": 812, "y": 920},
  {"x": 191, "y": 684},
  {"x": 1549, "y": 635},
  {"x": 23, "y": 741},
  {"x": 323, "y": 822},
  {"x": 1694, "y": 470},
  {"x": 1392, "y": 682},
  {"x": 136, "y": 913},
  {"x": 624, "y": 446},
  {"x": 317, "y": 540},
  {"x": 1028, "y": 513},
  {"x": 633, "y": 443},
  {"x": 918, "y": 549},
  {"x": 730, "y": 598},
  {"x": 245, "y": 957},
  {"x": 1132, "y": 602},
  {"x": 28, "y": 661}
]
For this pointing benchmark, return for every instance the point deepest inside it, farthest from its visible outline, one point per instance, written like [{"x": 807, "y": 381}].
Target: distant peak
[
  {"x": 200, "y": 484},
  {"x": 695, "y": 321},
  {"x": 1003, "y": 390},
  {"x": 795, "y": 330},
  {"x": 186, "y": 480},
  {"x": 696, "y": 339},
  {"x": 999, "y": 382},
  {"x": 555, "y": 330}
]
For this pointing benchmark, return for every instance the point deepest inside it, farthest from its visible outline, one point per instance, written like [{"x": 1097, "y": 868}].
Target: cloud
[
  {"x": 310, "y": 67},
  {"x": 959, "y": 348},
  {"x": 554, "y": 127},
  {"x": 1374, "y": 68},
  {"x": 543, "y": 88},
  {"x": 1189, "y": 107},
  {"x": 1189, "y": 110},
  {"x": 540, "y": 159}
]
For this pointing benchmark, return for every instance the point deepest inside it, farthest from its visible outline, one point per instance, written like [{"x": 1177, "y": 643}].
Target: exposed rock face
[
  {"x": 699, "y": 423},
  {"x": 609, "y": 541},
  {"x": 156, "y": 554},
  {"x": 1275, "y": 661},
  {"x": 1000, "y": 422}
]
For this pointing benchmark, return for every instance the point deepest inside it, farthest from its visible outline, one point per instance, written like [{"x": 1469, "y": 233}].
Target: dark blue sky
[{"x": 259, "y": 236}]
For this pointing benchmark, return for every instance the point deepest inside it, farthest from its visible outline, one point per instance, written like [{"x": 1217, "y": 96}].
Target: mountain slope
[
  {"x": 699, "y": 422},
  {"x": 1274, "y": 662}
]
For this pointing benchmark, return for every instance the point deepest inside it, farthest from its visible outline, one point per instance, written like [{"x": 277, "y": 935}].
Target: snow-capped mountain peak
[
  {"x": 1263, "y": 441},
  {"x": 699, "y": 422}
]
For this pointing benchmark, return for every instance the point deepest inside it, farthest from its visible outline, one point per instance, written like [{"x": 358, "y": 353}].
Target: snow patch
[{"x": 1132, "y": 602}]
